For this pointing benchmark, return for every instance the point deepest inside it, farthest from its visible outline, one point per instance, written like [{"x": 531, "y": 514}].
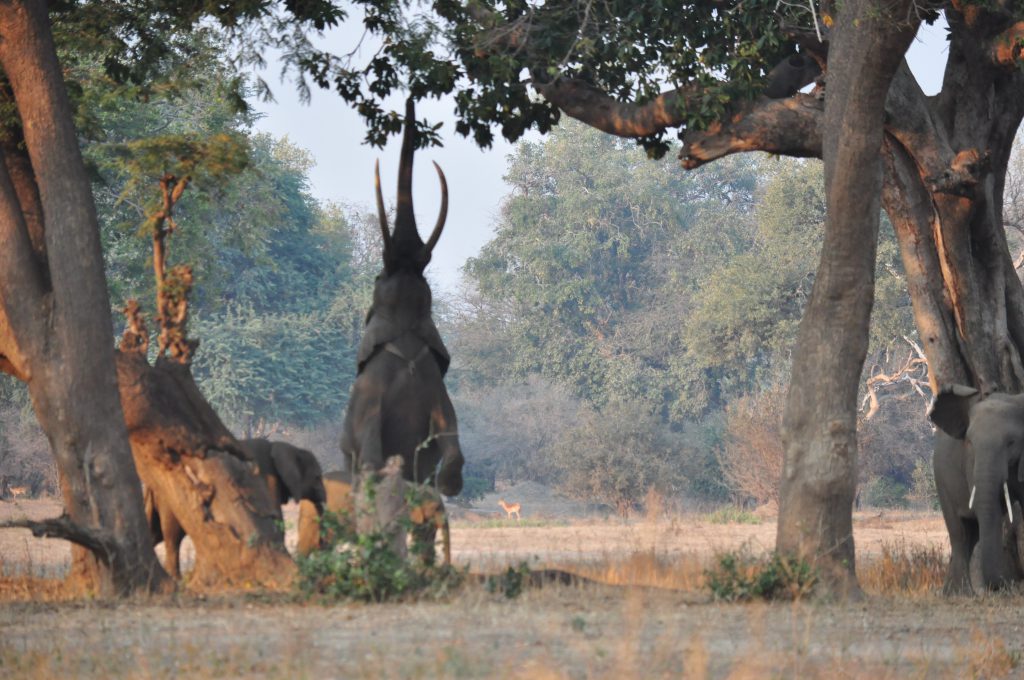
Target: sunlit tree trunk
[{"x": 819, "y": 430}]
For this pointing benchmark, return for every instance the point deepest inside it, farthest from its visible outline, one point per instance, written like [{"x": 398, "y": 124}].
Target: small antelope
[
  {"x": 17, "y": 491},
  {"x": 510, "y": 508}
]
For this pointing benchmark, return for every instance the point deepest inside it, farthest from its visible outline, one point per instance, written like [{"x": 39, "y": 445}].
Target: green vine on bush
[
  {"x": 741, "y": 577},
  {"x": 365, "y": 567}
]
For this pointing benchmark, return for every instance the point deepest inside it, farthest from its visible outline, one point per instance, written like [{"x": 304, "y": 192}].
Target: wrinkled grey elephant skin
[
  {"x": 980, "y": 483},
  {"x": 289, "y": 472}
]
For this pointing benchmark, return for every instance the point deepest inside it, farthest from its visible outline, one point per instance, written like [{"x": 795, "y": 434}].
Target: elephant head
[
  {"x": 399, "y": 404},
  {"x": 991, "y": 429},
  {"x": 290, "y": 472}
]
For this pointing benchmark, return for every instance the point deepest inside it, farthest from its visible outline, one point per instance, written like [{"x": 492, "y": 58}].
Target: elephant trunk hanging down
[
  {"x": 979, "y": 476},
  {"x": 399, "y": 405}
]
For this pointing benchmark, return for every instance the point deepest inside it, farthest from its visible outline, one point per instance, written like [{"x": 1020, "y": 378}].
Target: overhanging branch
[
  {"x": 593, "y": 106},
  {"x": 98, "y": 541},
  {"x": 789, "y": 127}
]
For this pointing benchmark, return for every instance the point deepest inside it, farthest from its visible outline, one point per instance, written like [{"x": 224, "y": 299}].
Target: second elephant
[
  {"x": 289, "y": 472},
  {"x": 979, "y": 476}
]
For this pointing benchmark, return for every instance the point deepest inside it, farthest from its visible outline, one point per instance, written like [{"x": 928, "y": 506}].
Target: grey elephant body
[
  {"x": 978, "y": 453},
  {"x": 288, "y": 471}
]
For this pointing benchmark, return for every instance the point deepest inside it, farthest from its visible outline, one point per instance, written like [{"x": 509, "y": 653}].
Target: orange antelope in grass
[
  {"x": 510, "y": 508},
  {"x": 17, "y": 491}
]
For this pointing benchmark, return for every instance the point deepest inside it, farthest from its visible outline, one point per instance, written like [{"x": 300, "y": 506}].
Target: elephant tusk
[
  {"x": 970, "y": 503},
  {"x": 1006, "y": 497}
]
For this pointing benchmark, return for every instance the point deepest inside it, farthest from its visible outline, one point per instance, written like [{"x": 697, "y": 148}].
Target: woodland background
[{"x": 627, "y": 329}]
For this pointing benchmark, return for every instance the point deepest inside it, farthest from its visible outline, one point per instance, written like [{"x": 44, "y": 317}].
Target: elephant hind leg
[{"x": 173, "y": 536}]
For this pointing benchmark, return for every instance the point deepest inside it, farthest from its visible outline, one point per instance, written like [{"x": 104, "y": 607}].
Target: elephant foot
[
  {"x": 961, "y": 576},
  {"x": 957, "y": 587}
]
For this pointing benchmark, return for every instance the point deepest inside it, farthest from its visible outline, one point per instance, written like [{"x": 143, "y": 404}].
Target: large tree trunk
[
  {"x": 55, "y": 316},
  {"x": 946, "y": 161},
  {"x": 819, "y": 476},
  {"x": 55, "y": 334}
]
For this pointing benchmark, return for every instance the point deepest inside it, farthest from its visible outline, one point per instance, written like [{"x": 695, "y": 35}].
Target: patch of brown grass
[
  {"x": 904, "y": 569},
  {"x": 987, "y": 657},
  {"x": 22, "y": 588},
  {"x": 646, "y": 568}
]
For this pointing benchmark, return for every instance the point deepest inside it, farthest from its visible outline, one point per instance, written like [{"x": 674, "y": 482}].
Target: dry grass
[
  {"x": 904, "y": 569},
  {"x": 648, "y": 569},
  {"x": 649, "y": 615}
]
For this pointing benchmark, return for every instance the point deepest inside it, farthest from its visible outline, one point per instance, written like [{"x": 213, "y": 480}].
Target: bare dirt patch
[{"x": 583, "y": 631}]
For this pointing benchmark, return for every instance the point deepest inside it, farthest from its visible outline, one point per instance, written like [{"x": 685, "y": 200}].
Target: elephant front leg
[
  {"x": 309, "y": 527},
  {"x": 963, "y": 537}
]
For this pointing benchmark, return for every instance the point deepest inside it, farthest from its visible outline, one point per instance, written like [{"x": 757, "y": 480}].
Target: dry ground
[{"x": 588, "y": 631}]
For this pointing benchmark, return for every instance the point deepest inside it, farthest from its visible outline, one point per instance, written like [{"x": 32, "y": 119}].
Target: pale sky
[{"x": 333, "y": 134}]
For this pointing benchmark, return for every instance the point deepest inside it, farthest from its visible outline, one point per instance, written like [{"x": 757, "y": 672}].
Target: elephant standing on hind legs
[
  {"x": 399, "y": 405},
  {"x": 288, "y": 471},
  {"x": 979, "y": 476}
]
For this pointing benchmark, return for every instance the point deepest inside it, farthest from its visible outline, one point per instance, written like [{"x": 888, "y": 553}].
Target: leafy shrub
[
  {"x": 730, "y": 514},
  {"x": 510, "y": 582},
  {"x": 474, "y": 488},
  {"x": 350, "y": 566},
  {"x": 740, "y": 577},
  {"x": 617, "y": 455},
  {"x": 366, "y": 568}
]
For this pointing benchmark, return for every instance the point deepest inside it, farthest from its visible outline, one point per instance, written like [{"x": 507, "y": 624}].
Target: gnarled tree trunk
[
  {"x": 946, "y": 161},
  {"x": 198, "y": 470}
]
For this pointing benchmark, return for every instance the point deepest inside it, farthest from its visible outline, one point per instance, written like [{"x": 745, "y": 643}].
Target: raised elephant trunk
[{"x": 404, "y": 247}]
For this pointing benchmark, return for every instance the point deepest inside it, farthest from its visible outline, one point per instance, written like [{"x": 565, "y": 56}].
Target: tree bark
[
  {"x": 819, "y": 427},
  {"x": 56, "y": 317},
  {"x": 55, "y": 335}
]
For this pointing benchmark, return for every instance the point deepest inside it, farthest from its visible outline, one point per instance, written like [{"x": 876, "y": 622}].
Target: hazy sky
[{"x": 333, "y": 133}]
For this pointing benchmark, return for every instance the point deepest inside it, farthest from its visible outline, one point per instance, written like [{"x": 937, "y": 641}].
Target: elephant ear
[
  {"x": 950, "y": 410},
  {"x": 298, "y": 471}
]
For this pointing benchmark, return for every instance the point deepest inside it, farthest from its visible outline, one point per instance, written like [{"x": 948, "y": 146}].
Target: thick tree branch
[
  {"x": 791, "y": 127},
  {"x": 19, "y": 168},
  {"x": 98, "y": 541},
  {"x": 18, "y": 272},
  {"x": 593, "y": 106}
]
